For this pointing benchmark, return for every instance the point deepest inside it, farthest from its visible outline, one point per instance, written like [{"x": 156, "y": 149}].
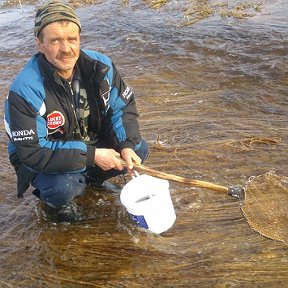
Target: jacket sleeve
[
  {"x": 27, "y": 131},
  {"x": 123, "y": 127}
]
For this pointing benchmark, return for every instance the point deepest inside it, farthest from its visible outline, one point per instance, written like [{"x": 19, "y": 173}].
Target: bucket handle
[{"x": 136, "y": 174}]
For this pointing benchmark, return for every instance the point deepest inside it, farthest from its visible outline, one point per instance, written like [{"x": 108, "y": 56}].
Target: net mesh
[{"x": 266, "y": 205}]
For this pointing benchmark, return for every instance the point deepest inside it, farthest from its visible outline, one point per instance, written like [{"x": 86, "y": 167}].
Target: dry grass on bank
[
  {"x": 199, "y": 11},
  {"x": 193, "y": 11}
]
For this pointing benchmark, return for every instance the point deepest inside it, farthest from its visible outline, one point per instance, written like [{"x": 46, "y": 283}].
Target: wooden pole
[{"x": 178, "y": 179}]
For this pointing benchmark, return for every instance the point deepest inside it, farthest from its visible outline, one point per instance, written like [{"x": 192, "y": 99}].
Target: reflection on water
[{"x": 205, "y": 93}]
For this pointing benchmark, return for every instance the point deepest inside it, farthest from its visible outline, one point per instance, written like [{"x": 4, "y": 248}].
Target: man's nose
[{"x": 65, "y": 46}]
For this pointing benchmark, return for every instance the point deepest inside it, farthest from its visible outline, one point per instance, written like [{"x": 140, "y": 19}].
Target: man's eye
[{"x": 55, "y": 41}]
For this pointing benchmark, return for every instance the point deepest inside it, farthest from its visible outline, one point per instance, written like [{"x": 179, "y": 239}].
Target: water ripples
[{"x": 212, "y": 99}]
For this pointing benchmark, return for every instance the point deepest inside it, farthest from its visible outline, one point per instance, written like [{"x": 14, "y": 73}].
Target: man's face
[{"x": 60, "y": 43}]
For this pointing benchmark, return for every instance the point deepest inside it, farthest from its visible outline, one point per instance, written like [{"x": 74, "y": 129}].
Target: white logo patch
[
  {"x": 127, "y": 93},
  {"x": 23, "y": 135}
]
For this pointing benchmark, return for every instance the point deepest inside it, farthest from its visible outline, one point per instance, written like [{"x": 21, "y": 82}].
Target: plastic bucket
[{"x": 148, "y": 202}]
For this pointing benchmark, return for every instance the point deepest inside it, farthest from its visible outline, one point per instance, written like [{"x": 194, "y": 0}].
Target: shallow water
[{"x": 212, "y": 98}]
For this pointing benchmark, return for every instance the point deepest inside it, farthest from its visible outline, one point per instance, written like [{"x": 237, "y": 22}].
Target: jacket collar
[{"x": 89, "y": 67}]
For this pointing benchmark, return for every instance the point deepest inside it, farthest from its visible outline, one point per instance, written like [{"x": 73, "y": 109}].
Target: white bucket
[{"x": 148, "y": 202}]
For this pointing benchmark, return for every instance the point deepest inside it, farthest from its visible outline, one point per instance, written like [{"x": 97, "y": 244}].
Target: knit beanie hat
[{"x": 53, "y": 11}]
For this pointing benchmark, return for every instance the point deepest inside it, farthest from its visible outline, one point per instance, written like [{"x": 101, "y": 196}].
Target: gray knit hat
[{"x": 53, "y": 11}]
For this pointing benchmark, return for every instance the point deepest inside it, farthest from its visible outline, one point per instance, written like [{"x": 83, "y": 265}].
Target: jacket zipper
[{"x": 69, "y": 92}]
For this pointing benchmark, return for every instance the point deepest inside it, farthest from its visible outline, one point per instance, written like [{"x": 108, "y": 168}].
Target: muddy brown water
[{"x": 212, "y": 98}]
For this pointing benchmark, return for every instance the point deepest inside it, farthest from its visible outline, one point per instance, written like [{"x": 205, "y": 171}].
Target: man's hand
[
  {"x": 130, "y": 157},
  {"x": 107, "y": 159}
]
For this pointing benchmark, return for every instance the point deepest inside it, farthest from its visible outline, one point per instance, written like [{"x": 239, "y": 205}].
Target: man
[{"x": 69, "y": 115}]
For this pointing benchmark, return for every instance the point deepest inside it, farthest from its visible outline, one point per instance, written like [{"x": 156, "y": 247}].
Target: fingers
[
  {"x": 107, "y": 159},
  {"x": 117, "y": 162},
  {"x": 130, "y": 158},
  {"x": 129, "y": 163}
]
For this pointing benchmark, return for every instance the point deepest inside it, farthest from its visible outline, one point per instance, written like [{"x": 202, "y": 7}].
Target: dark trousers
[{"x": 58, "y": 190}]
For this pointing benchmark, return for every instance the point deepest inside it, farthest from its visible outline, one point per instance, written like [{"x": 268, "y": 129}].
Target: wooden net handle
[{"x": 178, "y": 179}]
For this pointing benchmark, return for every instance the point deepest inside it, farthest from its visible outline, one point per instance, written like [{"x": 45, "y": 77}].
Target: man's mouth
[{"x": 65, "y": 57}]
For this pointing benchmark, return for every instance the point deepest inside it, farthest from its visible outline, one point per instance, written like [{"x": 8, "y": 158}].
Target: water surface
[{"x": 212, "y": 98}]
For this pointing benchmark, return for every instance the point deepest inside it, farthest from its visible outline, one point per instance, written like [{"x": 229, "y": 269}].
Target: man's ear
[{"x": 38, "y": 44}]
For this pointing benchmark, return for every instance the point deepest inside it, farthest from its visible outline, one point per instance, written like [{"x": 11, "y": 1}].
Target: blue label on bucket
[{"x": 139, "y": 219}]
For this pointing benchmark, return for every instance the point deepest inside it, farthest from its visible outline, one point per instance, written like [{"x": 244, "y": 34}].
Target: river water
[{"x": 211, "y": 85}]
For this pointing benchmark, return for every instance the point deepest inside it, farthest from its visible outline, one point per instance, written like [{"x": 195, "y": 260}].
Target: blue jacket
[{"x": 40, "y": 118}]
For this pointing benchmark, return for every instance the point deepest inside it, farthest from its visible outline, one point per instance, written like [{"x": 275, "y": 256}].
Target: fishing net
[{"x": 266, "y": 205}]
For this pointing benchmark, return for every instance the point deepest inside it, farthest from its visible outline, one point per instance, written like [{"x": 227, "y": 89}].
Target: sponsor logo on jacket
[
  {"x": 55, "y": 120},
  {"x": 127, "y": 93},
  {"x": 23, "y": 135}
]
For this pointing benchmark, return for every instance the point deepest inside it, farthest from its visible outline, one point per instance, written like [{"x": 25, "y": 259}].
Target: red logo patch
[{"x": 55, "y": 120}]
